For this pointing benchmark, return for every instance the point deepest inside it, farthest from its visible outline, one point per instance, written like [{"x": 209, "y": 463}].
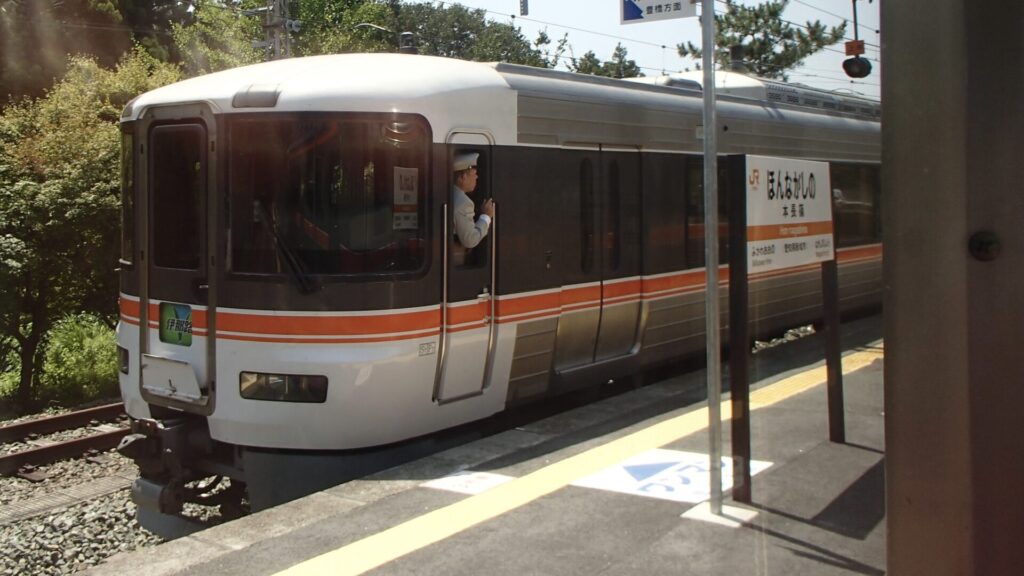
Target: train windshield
[{"x": 319, "y": 194}]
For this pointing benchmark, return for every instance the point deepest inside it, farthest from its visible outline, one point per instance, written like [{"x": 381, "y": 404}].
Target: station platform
[{"x": 614, "y": 487}]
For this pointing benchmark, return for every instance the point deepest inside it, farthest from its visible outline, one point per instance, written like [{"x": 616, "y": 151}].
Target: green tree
[
  {"x": 151, "y": 21},
  {"x": 589, "y": 63},
  {"x": 212, "y": 40},
  {"x": 36, "y": 36},
  {"x": 772, "y": 46},
  {"x": 333, "y": 26},
  {"x": 59, "y": 201},
  {"x": 551, "y": 55},
  {"x": 217, "y": 37},
  {"x": 620, "y": 66},
  {"x": 459, "y": 32}
]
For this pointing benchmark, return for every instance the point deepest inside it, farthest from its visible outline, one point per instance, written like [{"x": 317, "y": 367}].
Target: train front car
[
  {"x": 281, "y": 283},
  {"x": 295, "y": 304}
]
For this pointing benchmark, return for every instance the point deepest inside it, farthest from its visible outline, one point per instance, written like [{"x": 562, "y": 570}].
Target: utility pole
[
  {"x": 276, "y": 21},
  {"x": 276, "y": 27}
]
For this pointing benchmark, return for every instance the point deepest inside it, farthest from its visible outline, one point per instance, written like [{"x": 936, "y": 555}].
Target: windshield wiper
[{"x": 307, "y": 284}]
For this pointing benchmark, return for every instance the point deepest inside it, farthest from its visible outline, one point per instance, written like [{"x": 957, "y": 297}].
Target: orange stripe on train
[
  {"x": 328, "y": 325},
  {"x": 385, "y": 327}
]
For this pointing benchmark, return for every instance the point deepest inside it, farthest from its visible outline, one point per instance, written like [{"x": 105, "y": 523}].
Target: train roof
[
  {"x": 515, "y": 104},
  {"x": 565, "y": 109},
  {"x": 728, "y": 83},
  {"x": 445, "y": 90}
]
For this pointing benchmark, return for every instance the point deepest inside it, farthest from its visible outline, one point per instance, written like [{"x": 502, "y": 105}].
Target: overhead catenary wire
[
  {"x": 834, "y": 15},
  {"x": 513, "y": 18},
  {"x": 798, "y": 25},
  {"x": 562, "y": 59}
]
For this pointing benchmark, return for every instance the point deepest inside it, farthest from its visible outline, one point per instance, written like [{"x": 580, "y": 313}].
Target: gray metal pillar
[
  {"x": 953, "y": 168},
  {"x": 711, "y": 304}
]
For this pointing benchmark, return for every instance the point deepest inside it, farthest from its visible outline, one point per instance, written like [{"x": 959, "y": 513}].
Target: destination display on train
[{"x": 789, "y": 213}]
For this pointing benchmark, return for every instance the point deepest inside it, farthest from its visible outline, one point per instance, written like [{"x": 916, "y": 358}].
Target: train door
[
  {"x": 176, "y": 296},
  {"x": 619, "y": 216},
  {"x": 467, "y": 307},
  {"x": 601, "y": 300},
  {"x": 576, "y": 336}
]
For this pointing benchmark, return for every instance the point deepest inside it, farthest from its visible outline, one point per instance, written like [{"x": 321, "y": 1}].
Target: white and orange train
[{"x": 289, "y": 285}]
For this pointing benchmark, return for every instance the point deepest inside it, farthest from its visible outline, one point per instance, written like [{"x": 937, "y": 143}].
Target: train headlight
[
  {"x": 122, "y": 359},
  {"x": 283, "y": 387}
]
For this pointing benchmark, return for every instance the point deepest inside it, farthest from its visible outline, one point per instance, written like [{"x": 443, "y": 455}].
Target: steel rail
[
  {"x": 77, "y": 419},
  {"x": 11, "y": 463}
]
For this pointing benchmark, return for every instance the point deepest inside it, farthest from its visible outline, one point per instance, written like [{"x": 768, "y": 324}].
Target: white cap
[{"x": 464, "y": 161}]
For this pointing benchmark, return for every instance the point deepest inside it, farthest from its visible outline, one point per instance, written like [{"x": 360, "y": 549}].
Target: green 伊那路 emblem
[{"x": 176, "y": 324}]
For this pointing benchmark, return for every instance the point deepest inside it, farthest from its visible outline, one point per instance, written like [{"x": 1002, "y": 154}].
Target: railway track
[{"x": 22, "y": 462}]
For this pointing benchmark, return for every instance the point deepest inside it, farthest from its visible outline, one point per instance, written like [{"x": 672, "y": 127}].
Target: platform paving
[{"x": 818, "y": 507}]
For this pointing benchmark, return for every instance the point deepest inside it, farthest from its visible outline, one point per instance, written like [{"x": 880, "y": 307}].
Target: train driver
[{"x": 469, "y": 231}]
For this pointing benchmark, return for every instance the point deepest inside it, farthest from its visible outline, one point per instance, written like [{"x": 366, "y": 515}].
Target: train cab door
[
  {"x": 468, "y": 299},
  {"x": 176, "y": 293}
]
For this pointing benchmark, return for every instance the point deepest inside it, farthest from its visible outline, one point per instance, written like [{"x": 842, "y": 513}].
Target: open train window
[
  {"x": 477, "y": 255},
  {"x": 318, "y": 194}
]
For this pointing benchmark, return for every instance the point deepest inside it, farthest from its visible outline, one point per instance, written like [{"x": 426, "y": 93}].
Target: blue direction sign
[{"x": 634, "y": 11}]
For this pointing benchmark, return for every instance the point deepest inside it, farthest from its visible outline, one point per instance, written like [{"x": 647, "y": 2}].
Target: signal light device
[{"x": 857, "y": 67}]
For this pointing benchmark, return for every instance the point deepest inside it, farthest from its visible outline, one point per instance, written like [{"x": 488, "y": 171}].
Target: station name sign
[
  {"x": 789, "y": 213},
  {"x": 635, "y": 11}
]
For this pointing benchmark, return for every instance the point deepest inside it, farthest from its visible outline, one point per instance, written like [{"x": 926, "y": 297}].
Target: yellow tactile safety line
[{"x": 420, "y": 532}]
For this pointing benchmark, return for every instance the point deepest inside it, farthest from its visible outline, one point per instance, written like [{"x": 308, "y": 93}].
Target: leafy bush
[
  {"x": 10, "y": 368},
  {"x": 81, "y": 361},
  {"x": 8, "y": 384}
]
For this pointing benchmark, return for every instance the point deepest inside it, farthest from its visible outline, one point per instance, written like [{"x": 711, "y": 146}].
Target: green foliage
[
  {"x": 455, "y": 31},
  {"x": 550, "y": 56},
  {"x": 333, "y": 27},
  {"x": 772, "y": 46},
  {"x": 9, "y": 368},
  {"x": 60, "y": 200},
  {"x": 620, "y": 66},
  {"x": 217, "y": 38},
  {"x": 81, "y": 361},
  {"x": 38, "y": 36}
]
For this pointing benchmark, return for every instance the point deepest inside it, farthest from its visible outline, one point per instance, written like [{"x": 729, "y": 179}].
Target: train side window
[
  {"x": 855, "y": 204},
  {"x": 695, "y": 212},
  {"x": 127, "y": 195},
  {"x": 613, "y": 219},
  {"x": 587, "y": 231}
]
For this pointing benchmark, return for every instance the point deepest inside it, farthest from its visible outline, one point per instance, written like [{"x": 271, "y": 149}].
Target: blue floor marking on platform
[{"x": 641, "y": 472}]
